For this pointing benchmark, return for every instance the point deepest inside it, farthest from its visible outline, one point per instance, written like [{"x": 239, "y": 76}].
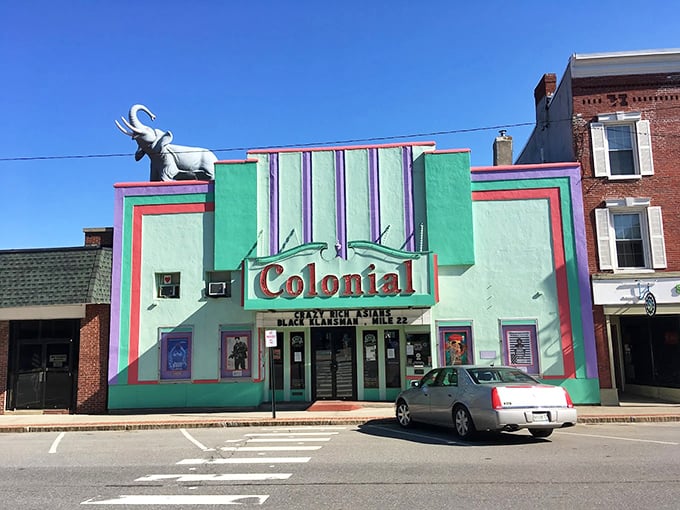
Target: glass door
[
  {"x": 43, "y": 378},
  {"x": 333, "y": 370}
]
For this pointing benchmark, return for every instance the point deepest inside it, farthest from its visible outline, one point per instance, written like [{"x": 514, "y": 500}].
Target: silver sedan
[{"x": 479, "y": 398}]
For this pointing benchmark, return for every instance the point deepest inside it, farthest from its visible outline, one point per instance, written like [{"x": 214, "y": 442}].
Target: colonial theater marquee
[{"x": 312, "y": 276}]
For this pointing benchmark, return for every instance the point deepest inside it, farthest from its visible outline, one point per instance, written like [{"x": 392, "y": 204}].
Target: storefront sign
[
  {"x": 308, "y": 276},
  {"x": 326, "y": 318}
]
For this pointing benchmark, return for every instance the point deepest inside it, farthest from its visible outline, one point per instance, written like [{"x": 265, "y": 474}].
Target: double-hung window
[
  {"x": 630, "y": 235},
  {"x": 621, "y": 146}
]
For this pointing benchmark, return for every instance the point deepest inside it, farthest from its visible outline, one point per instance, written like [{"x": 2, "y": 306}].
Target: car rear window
[{"x": 499, "y": 375}]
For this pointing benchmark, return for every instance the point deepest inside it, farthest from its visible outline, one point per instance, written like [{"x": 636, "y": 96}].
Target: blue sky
[{"x": 235, "y": 75}]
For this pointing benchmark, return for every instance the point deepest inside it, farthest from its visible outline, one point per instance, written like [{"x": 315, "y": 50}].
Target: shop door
[
  {"x": 333, "y": 370},
  {"x": 43, "y": 378}
]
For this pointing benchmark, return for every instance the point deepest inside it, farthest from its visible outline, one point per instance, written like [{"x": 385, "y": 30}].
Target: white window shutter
[
  {"x": 597, "y": 135},
  {"x": 604, "y": 248},
  {"x": 656, "y": 240},
  {"x": 644, "y": 143}
]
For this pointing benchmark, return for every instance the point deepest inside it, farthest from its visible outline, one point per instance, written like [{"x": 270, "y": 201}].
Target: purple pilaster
[
  {"x": 340, "y": 203},
  {"x": 407, "y": 165},
  {"x": 273, "y": 204},
  {"x": 306, "y": 197},
  {"x": 373, "y": 194},
  {"x": 114, "y": 339}
]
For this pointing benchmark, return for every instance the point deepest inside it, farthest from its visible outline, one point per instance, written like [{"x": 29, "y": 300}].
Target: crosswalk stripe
[
  {"x": 245, "y": 460},
  {"x": 222, "y": 477},
  {"x": 293, "y": 434},
  {"x": 179, "y": 499},
  {"x": 268, "y": 448},
  {"x": 289, "y": 440}
]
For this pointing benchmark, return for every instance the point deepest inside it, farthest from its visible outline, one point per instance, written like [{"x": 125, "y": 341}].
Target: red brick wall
[
  {"x": 4, "y": 361},
  {"x": 93, "y": 360},
  {"x": 657, "y": 98}
]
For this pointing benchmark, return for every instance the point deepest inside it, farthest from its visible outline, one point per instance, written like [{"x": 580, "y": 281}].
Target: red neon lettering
[
  {"x": 278, "y": 269},
  {"x": 372, "y": 289},
  {"x": 409, "y": 277},
  {"x": 333, "y": 281},
  {"x": 311, "y": 290},
  {"x": 391, "y": 284},
  {"x": 294, "y": 286},
  {"x": 352, "y": 285}
]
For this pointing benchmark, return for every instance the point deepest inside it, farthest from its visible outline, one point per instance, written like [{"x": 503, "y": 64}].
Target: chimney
[
  {"x": 102, "y": 237},
  {"x": 502, "y": 149},
  {"x": 546, "y": 87}
]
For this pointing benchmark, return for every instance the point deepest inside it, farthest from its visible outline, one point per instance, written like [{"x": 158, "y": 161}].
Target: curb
[{"x": 285, "y": 422}]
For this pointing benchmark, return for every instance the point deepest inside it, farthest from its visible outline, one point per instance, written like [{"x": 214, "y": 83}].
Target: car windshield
[{"x": 495, "y": 375}]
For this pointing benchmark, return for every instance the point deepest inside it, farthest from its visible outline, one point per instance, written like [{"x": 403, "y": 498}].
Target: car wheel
[
  {"x": 465, "y": 427},
  {"x": 404, "y": 414},
  {"x": 541, "y": 432}
]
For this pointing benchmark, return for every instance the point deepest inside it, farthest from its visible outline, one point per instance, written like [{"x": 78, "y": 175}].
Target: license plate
[{"x": 540, "y": 417}]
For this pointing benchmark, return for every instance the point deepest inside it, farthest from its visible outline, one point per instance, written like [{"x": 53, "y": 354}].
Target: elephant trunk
[{"x": 134, "y": 121}]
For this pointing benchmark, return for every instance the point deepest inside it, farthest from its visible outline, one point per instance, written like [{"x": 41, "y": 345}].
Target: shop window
[
  {"x": 218, "y": 284},
  {"x": 167, "y": 285},
  {"x": 455, "y": 345},
  {"x": 621, "y": 146},
  {"x": 236, "y": 354},
  {"x": 371, "y": 359},
  {"x": 297, "y": 360},
  {"x": 176, "y": 354},
  {"x": 392, "y": 364},
  {"x": 418, "y": 357},
  {"x": 630, "y": 235},
  {"x": 520, "y": 346}
]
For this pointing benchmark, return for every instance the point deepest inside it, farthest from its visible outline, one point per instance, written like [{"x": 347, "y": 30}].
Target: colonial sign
[{"x": 307, "y": 277}]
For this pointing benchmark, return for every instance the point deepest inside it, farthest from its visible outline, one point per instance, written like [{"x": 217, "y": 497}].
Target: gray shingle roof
[{"x": 56, "y": 276}]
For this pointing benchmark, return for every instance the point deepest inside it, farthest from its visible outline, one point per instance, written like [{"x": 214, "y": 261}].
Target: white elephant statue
[{"x": 168, "y": 161}]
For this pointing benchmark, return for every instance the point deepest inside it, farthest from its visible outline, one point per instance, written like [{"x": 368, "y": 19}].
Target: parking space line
[
  {"x": 53, "y": 448},
  {"x": 197, "y": 443},
  {"x": 619, "y": 438}
]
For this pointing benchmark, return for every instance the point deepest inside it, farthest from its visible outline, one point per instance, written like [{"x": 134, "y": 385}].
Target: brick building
[
  {"x": 617, "y": 114},
  {"x": 54, "y": 326}
]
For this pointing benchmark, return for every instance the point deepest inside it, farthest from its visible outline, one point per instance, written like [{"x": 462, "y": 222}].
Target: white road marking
[
  {"x": 307, "y": 428},
  {"x": 254, "y": 460},
  {"x": 293, "y": 434},
  {"x": 194, "y": 441},
  {"x": 53, "y": 448},
  {"x": 289, "y": 440},
  {"x": 268, "y": 448},
  {"x": 216, "y": 477},
  {"x": 619, "y": 438},
  {"x": 180, "y": 499}
]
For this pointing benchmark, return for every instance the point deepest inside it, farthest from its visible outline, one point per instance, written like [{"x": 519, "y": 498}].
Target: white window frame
[
  {"x": 641, "y": 138},
  {"x": 651, "y": 224}
]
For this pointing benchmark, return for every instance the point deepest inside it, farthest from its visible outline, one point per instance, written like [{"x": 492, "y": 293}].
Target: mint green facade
[{"x": 370, "y": 263}]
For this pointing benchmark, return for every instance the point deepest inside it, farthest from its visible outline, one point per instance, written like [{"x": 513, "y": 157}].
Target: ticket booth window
[
  {"x": 371, "y": 359},
  {"x": 392, "y": 359},
  {"x": 418, "y": 354},
  {"x": 297, "y": 360}
]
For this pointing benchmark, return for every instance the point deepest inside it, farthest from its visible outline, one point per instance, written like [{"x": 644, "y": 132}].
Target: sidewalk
[{"x": 326, "y": 413}]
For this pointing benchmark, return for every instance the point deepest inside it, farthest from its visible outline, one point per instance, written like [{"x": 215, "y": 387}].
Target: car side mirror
[{"x": 415, "y": 384}]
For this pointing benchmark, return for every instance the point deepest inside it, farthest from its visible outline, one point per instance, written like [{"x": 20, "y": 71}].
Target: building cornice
[{"x": 625, "y": 63}]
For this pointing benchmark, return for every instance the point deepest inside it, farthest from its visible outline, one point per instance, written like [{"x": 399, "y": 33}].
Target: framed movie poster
[
  {"x": 236, "y": 352},
  {"x": 176, "y": 355},
  {"x": 455, "y": 345},
  {"x": 520, "y": 346}
]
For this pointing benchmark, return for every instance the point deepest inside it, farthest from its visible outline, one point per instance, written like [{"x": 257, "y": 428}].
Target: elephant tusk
[
  {"x": 122, "y": 130},
  {"x": 131, "y": 127}
]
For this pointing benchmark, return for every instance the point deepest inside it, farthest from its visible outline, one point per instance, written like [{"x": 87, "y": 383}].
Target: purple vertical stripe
[
  {"x": 306, "y": 197},
  {"x": 407, "y": 165},
  {"x": 273, "y": 203},
  {"x": 373, "y": 194},
  {"x": 114, "y": 339},
  {"x": 341, "y": 203}
]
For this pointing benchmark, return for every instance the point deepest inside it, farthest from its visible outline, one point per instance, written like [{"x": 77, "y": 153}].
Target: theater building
[{"x": 361, "y": 267}]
